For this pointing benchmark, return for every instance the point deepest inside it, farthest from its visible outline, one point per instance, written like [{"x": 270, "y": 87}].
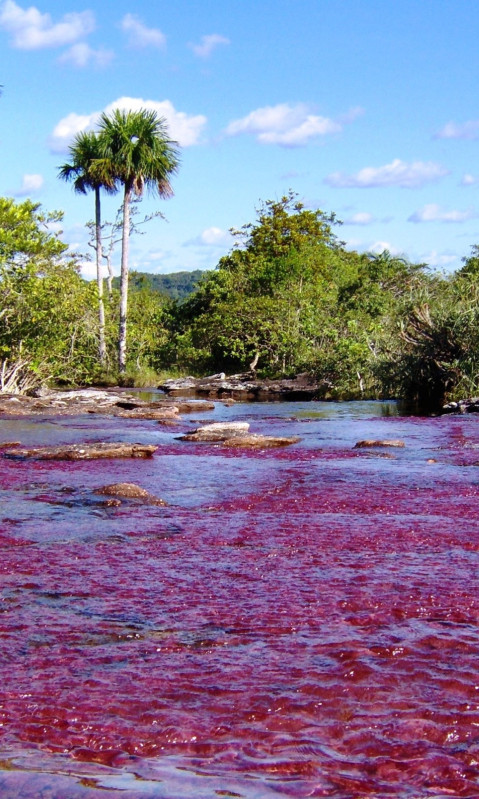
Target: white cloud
[
  {"x": 81, "y": 54},
  {"x": 68, "y": 127},
  {"x": 284, "y": 124},
  {"x": 397, "y": 173},
  {"x": 31, "y": 184},
  {"x": 156, "y": 255},
  {"x": 434, "y": 213},
  {"x": 208, "y": 44},
  {"x": 351, "y": 115},
  {"x": 467, "y": 130},
  {"x": 141, "y": 36},
  {"x": 361, "y": 218},
  {"x": 444, "y": 259},
  {"x": 380, "y": 246},
  {"x": 212, "y": 237},
  {"x": 87, "y": 269},
  {"x": 31, "y": 30},
  {"x": 182, "y": 127},
  {"x": 469, "y": 180}
]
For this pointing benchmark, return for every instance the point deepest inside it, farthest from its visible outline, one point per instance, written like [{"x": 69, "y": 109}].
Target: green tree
[
  {"x": 290, "y": 298},
  {"x": 142, "y": 155},
  {"x": 89, "y": 170},
  {"x": 47, "y": 325}
]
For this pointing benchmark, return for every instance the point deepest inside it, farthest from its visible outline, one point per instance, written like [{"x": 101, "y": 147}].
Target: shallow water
[{"x": 297, "y": 622}]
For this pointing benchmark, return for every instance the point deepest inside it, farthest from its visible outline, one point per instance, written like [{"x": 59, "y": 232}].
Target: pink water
[{"x": 298, "y": 622}]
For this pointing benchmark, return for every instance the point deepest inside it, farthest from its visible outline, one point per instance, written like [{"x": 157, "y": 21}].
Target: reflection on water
[{"x": 296, "y": 622}]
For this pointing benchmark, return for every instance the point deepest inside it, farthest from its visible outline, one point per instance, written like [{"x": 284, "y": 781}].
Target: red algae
[{"x": 297, "y": 623}]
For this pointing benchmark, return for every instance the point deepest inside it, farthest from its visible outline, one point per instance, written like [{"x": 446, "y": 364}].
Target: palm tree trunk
[
  {"x": 99, "y": 282},
  {"x": 125, "y": 244}
]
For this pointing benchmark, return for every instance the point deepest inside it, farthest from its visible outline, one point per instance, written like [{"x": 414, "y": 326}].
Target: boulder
[{"x": 81, "y": 452}]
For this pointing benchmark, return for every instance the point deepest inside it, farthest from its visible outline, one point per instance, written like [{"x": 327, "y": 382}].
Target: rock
[
  {"x": 80, "y": 452},
  {"x": 247, "y": 386},
  {"x": 95, "y": 401},
  {"x": 195, "y": 406},
  {"x": 217, "y": 431},
  {"x": 155, "y": 414},
  {"x": 385, "y": 442},
  {"x": 236, "y": 434},
  {"x": 179, "y": 384},
  {"x": 254, "y": 441},
  {"x": 470, "y": 405},
  {"x": 130, "y": 491}
]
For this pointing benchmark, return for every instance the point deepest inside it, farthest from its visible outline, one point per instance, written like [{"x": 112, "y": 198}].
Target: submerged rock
[
  {"x": 130, "y": 491},
  {"x": 385, "y": 442},
  {"x": 156, "y": 414},
  {"x": 80, "y": 452},
  {"x": 255, "y": 441}
]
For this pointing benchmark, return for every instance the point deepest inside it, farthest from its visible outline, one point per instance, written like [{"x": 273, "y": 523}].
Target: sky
[{"x": 365, "y": 108}]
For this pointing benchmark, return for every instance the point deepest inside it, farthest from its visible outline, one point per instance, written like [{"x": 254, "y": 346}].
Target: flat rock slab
[
  {"x": 95, "y": 401},
  {"x": 130, "y": 491},
  {"x": 384, "y": 442},
  {"x": 247, "y": 386},
  {"x": 156, "y": 414},
  {"x": 82, "y": 452},
  {"x": 255, "y": 441},
  {"x": 194, "y": 406},
  {"x": 236, "y": 434},
  {"x": 217, "y": 431}
]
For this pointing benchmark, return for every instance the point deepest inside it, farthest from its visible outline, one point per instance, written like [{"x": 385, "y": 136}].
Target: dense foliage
[
  {"x": 176, "y": 285},
  {"x": 288, "y": 298},
  {"x": 47, "y": 316}
]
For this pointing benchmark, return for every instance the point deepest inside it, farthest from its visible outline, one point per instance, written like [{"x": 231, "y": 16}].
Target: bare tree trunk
[
  {"x": 125, "y": 242},
  {"x": 99, "y": 281},
  {"x": 109, "y": 279}
]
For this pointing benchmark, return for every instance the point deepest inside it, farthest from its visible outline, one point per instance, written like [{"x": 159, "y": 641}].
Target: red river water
[{"x": 301, "y": 622}]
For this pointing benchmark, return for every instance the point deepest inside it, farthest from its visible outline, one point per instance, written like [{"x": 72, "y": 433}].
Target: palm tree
[
  {"x": 137, "y": 145},
  {"x": 90, "y": 170}
]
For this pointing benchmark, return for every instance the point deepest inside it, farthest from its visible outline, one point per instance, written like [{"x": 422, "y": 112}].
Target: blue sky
[{"x": 368, "y": 108}]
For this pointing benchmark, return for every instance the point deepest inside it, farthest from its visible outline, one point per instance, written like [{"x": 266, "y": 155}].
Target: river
[{"x": 297, "y": 622}]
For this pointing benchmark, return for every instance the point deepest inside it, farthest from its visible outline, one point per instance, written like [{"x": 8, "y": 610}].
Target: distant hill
[{"x": 176, "y": 285}]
